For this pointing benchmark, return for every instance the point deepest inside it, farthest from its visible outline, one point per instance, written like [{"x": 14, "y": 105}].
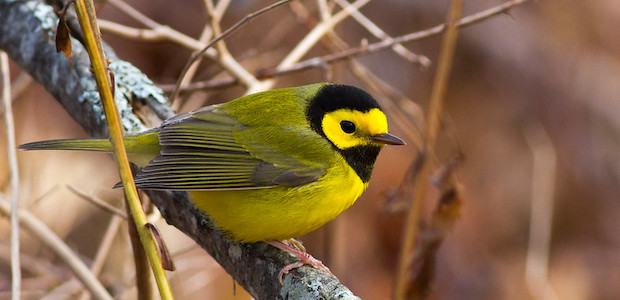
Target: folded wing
[{"x": 201, "y": 151}]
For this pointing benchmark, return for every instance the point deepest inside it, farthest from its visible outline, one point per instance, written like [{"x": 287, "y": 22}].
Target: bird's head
[{"x": 353, "y": 122}]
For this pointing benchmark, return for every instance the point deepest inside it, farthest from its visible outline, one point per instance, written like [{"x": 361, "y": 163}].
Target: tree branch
[{"x": 27, "y": 31}]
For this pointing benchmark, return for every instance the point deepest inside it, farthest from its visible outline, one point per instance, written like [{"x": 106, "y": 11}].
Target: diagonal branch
[{"x": 420, "y": 60}]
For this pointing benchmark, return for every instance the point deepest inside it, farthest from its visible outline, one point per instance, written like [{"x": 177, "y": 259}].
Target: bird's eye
[{"x": 347, "y": 126}]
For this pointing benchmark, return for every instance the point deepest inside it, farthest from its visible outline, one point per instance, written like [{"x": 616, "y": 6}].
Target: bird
[{"x": 266, "y": 167}]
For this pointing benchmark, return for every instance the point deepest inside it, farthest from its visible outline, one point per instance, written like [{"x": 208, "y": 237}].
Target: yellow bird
[{"x": 266, "y": 167}]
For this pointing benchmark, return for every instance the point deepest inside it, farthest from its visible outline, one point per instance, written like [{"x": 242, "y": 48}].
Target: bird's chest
[{"x": 282, "y": 212}]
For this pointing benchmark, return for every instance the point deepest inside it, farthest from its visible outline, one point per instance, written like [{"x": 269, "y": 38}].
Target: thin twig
[
  {"x": 435, "y": 110},
  {"x": 37, "y": 228},
  {"x": 157, "y": 32},
  {"x": 322, "y": 61},
  {"x": 312, "y": 38},
  {"x": 16, "y": 274},
  {"x": 215, "y": 26},
  {"x": 404, "y": 112},
  {"x": 420, "y": 60},
  {"x": 36, "y": 266},
  {"x": 230, "y": 65},
  {"x": 98, "y": 202},
  {"x": 72, "y": 287},
  {"x": 541, "y": 213},
  {"x": 374, "y": 47},
  {"x": 64, "y": 290},
  {"x": 226, "y": 33},
  {"x": 211, "y": 84},
  {"x": 134, "y": 13},
  {"x": 216, "y": 14},
  {"x": 324, "y": 10},
  {"x": 320, "y": 30},
  {"x": 45, "y": 195},
  {"x": 150, "y": 35},
  {"x": 205, "y": 36}
]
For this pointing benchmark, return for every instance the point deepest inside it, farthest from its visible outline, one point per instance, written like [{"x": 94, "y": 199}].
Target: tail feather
[
  {"x": 70, "y": 144},
  {"x": 140, "y": 148}
]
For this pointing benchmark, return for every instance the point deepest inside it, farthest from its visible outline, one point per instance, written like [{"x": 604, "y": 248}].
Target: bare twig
[
  {"x": 325, "y": 10},
  {"x": 312, "y": 38},
  {"x": 36, "y": 266},
  {"x": 541, "y": 213},
  {"x": 149, "y": 35},
  {"x": 215, "y": 25},
  {"x": 230, "y": 65},
  {"x": 72, "y": 287},
  {"x": 321, "y": 29},
  {"x": 216, "y": 14},
  {"x": 16, "y": 274},
  {"x": 65, "y": 290},
  {"x": 404, "y": 112},
  {"x": 48, "y": 193},
  {"x": 211, "y": 84},
  {"x": 98, "y": 202},
  {"x": 420, "y": 60},
  {"x": 254, "y": 83},
  {"x": 374, "y": 47},
  {"x": 205, "y": 36},
  {"x": 157, "y": 31},
  {"x": 322, "y": 61},
  {"x": 435, "y": 110},
  {"x": 48, "y": 237}
]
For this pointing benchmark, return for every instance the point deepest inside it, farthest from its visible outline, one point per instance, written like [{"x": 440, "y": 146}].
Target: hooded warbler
[{"x": 265, "y": 167}]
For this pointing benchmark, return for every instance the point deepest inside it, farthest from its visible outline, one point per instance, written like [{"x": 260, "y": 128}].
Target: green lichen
[{"x": 45, "y": 14}]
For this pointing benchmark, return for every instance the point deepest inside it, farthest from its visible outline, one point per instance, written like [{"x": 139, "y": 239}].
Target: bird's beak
[{"x": 388, "y": 139}]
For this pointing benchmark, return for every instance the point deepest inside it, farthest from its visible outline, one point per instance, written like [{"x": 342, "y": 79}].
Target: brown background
[{"x": 549, "y": 68}]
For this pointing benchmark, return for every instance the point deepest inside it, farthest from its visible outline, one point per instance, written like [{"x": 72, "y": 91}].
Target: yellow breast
[{"x": 282, "y": 212}]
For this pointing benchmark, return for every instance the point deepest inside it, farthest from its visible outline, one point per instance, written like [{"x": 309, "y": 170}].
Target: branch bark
[{"x": 27, "y": 30}]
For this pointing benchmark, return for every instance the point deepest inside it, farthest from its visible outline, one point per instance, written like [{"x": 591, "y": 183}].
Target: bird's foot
[
  {"x": 304, "y": 259},
  {"x": 295, "y": 243}
]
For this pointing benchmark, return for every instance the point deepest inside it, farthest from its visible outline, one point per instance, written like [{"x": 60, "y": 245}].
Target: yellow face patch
[{"x": 339, "y": 130}]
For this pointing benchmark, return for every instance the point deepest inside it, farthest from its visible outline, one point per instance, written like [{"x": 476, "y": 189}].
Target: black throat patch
[
  {"x": 361, "y": 159},
  {"x": 333, "y": 97}
]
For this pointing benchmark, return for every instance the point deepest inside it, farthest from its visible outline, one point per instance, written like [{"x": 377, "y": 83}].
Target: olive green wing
[
  {"x": 200, "y": 151},
  {"x": 277, "y": 128}
]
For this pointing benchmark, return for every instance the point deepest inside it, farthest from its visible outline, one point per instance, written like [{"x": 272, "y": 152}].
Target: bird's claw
[{"x": 304, "y": 259}]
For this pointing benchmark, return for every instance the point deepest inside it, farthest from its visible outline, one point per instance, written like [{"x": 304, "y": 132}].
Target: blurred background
[{"x": 532, "y": 108}]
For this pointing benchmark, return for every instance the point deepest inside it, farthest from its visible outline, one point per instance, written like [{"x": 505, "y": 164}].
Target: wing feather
[{"x": 201, "y": 151}]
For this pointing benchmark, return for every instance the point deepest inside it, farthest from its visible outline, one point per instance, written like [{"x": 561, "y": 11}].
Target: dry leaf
[
  {"x": 63, "y": 37},
  {"x": 164, "y": 254}
]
